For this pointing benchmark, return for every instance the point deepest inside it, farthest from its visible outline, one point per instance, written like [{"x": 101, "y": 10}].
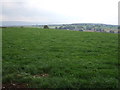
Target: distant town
[{"x": 86, "y": 27}]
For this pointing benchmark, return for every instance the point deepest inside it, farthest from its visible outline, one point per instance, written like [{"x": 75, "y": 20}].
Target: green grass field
[{"x": 46, "y": 58}]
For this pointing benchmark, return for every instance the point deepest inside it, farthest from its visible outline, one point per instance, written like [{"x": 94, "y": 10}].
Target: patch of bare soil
[
  {"x": 40, "y": 75},
  {"x": 21, "y": 85},
  {"x": 14, "y": 85}
]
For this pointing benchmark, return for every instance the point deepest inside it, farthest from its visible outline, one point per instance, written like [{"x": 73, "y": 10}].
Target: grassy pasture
[{"x": 48, "y": 58}]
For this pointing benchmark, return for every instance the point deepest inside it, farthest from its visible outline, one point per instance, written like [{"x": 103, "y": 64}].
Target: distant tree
[
  {"x": 60, "y": 27},
  {"x": 118, "y": 27},
  {"x": 111, "y": 31},
  {"x": 21, "y": 26},
  {"x": 56, "y": 28},
  {"x": 46, "y": 27},
  {"x": 88, "y": 27},
  {"x": 118, "y": 31},
  {"x": 4, "y": 27}
]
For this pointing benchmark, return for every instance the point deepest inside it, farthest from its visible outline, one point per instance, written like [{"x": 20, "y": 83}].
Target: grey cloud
[{"x": 16, "y": 10}]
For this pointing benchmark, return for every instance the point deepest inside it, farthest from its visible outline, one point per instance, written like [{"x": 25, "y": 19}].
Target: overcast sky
[{"x": 60, "y": 11}]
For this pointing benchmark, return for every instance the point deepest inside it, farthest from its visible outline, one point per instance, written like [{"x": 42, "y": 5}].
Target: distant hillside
[
  {"x": 91, "y": 27},
  {"x": 20, "y": 23}
]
